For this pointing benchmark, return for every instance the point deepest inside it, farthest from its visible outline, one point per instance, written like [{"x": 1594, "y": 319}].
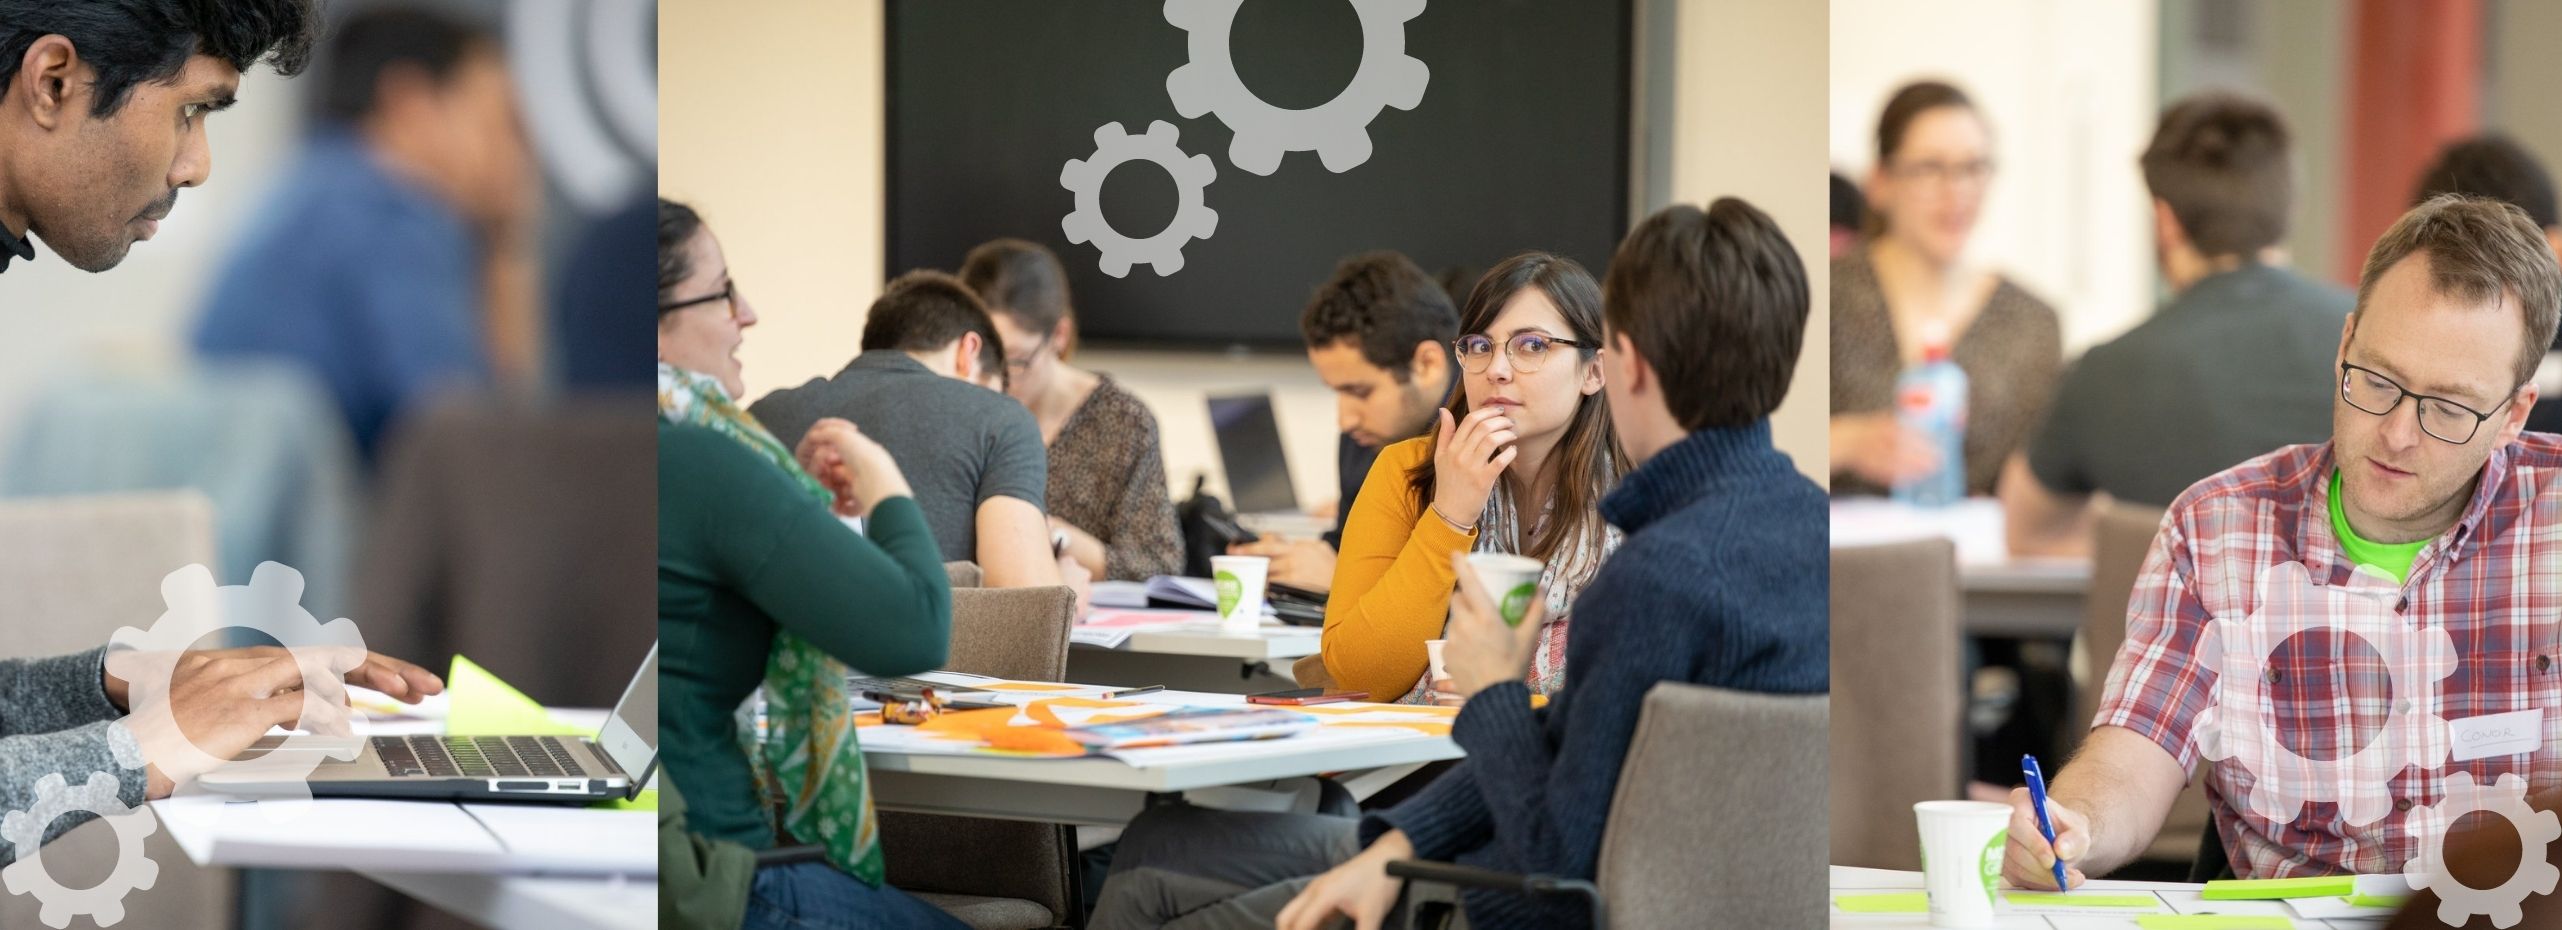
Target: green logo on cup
[
  {"x": 1230, "y": 592},
  {"x": 1993, "y": 863},
  {"x": 1516, "y": 603}
]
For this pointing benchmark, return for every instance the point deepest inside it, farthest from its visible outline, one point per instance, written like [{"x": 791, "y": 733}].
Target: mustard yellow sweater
[{"x": 1392, "y": 580}]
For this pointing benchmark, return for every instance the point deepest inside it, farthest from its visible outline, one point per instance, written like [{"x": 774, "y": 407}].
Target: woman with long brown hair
[{"x": 1518, "y": 464}]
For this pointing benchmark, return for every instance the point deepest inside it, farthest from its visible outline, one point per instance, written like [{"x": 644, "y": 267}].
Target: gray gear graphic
[
  {"x": 103, "y": 903},
  {"x": 2237, "y": 726},
  {"x": 270, "y": 605},
  {"x": 1337, "y": 130},
  {"x": 1192, "y": 219},
  {"x": 2535, "y": 873}
]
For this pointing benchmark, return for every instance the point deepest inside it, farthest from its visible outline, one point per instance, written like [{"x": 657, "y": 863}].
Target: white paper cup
[
  {"x": 1511, "y": 580},
  {"x": 1239, "y": 580},
  {"x": 1432, "y": 656},
  {"x": 1961, "y": 846}
]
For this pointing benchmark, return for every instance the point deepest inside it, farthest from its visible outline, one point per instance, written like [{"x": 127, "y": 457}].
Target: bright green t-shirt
[{"x": 2393, "y": 558}]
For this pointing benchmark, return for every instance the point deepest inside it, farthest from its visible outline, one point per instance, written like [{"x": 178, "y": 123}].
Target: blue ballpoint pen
[{"x": 2037, "y": 797}]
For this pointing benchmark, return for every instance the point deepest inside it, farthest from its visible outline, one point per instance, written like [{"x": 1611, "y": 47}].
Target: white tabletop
[
  {"x": 1202, "y": 636},
  {"x": 1974, "y": 524},
  {"x": 2171, "y": 898},
  {"x": 1108, "y": 790},
  {"x": 463, "y": 881}
]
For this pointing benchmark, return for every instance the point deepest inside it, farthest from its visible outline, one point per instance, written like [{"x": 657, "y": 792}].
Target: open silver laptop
[{"x": 574, "y": 770}]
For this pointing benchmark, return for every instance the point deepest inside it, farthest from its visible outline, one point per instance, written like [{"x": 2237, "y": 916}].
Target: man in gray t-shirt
[{"x": 928, "y": 388}]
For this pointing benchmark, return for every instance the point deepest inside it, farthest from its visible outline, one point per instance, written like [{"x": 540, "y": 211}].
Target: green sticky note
[
  {"x": 648, "y": 801},
  {"x": 2085, "y": 899},
  {"x": 1914, "y": 902},
  {"x": 2262, "y": 889},
  {"x": 2212, "y": 922},
  {"x": 2377, "y": 900},
  {"x": 479, "y": 704}
]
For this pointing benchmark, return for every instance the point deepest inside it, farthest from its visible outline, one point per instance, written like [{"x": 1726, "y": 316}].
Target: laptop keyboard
[{"x": 476, "y": 756}]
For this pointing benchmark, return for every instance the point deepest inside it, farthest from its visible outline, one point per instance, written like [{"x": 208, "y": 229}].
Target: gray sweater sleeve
[
  {"x": 55, "y": 719},
  {"x": 54, "y": 693}
]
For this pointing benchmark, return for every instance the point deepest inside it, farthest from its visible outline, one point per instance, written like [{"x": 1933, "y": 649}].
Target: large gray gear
[
  {"x": 1192, "y": 218},
  {"x": 1337, "y": 130},
  {"x": 2236, "y": 727},
  {"x": 103, "y": 902},
  {"x": 2535, "y": 874},
  {"x": 269, "y": 604}
]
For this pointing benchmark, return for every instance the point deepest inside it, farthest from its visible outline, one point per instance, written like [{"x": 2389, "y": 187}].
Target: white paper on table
[
  {"x": 332, "y": 833},
  {"x": 1101, "y": 638},
  {"x": 1974, "y": 524},
  {"x": 572, "y": 840},
  {"x": 1313, "y": 739},
  {"x": 2194, "y": 902},
  {"x": 1119, "y": 594}
]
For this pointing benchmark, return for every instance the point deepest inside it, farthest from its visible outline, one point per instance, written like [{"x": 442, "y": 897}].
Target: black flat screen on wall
[{"x": 1520, "y": 142}]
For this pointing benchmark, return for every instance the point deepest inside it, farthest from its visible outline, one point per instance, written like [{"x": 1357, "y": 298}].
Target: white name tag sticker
[{"x": 2506, "y": 734}]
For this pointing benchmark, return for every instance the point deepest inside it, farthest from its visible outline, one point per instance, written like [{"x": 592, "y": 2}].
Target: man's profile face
[
  {"x": 1371, "y": 403},
  {"x": 2391, "y": 471},
  {"x": 104, "y": 183}
]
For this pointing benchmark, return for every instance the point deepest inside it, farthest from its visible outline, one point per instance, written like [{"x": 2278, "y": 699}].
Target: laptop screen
[
  {"x": 1250, "y": 448},
  {"x": 630, "y": 736}
]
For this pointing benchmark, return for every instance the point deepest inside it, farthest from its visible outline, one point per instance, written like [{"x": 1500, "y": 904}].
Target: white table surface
[
  {"x": 1272, "y": 642},
  {"x": 2041, "y": 597},
  {"x": 2175, "y": 898},
  {"x": 1103, "y": 791},
  {"x": 532, "y": 902}
]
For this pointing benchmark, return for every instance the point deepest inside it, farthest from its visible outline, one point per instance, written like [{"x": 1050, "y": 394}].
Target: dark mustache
[{"x": 160, "y": 208}]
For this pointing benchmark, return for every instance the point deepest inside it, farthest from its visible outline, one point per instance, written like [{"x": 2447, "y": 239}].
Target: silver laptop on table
[{"x": 561, "y": 769}]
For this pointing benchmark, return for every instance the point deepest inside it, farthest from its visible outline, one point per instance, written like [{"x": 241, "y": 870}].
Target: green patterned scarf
[{"x": 808, "y": 762}]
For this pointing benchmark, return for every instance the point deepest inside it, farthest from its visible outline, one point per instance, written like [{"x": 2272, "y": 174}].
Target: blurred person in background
[
  {"x": 2497, "y": 167},
  {"x": 1908, "y": 292},
  {"x": 402, "y": 258},
  {"x": 103, "y": 108},
  {"x": 2231, "y": 368}
]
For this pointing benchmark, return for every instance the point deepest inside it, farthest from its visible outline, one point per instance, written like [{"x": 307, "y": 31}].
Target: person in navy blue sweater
[{"x": 1723, "y": 581}]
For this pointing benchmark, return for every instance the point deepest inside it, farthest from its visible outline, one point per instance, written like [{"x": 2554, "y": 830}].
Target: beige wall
[
  {"x": 797, "y": 201},
  {"x": 786, "y": 172}
]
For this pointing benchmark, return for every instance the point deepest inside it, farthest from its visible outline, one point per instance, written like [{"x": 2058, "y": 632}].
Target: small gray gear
[
  {"x": 104, "y": 902},
  {"x": 1337, "y": 130},
  {"x": 2535, "y": 874},
  {"x": 2237, "y": 727},
  {"x": 1192, "y": 219}
]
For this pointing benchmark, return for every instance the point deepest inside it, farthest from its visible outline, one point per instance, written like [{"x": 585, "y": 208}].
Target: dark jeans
[
  {"x": 1190, "y": 868},
  {"x": 815, "y": 896}
]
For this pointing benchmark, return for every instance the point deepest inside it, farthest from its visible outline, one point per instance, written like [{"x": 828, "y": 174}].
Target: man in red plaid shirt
[{"x": 2428, "y": 479}]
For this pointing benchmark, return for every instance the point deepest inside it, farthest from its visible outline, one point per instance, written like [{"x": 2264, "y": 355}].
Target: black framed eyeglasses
[
  {"x": 2446, "y": 420},
  {"x": 1528, "y": 351},
  {"x": 728, "y": 292},
  {"x": 1016, "y": 366}
]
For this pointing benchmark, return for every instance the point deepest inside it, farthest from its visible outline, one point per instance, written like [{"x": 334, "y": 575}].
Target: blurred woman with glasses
[
  {"x": 1107, "y": 492},
  {"x": 1907, "y": 291},
  {"x": 1518, "y": 464}
]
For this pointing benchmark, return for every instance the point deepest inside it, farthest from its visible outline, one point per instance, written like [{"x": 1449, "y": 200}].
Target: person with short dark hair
[
  {"x": 2429, "y": 495},
  {"x": 1378, "y": 332},
  {"x": 2497, "y": 167},
  {"x": 1907, "y": 294},
  {"x": 103, "y": 107},
  {"x": 1722, "y": 582},
  {"x": 929, "y": 386},
  {"x": 2229, "y": 368},
  {"x": 401, "y": 261},
  {"x": 1107, "y": 494},
  {"x": 1849, "y": 215}
]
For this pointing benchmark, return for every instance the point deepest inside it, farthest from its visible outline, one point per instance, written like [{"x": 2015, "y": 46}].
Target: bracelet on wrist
[{"x": 1445, "y": 518}]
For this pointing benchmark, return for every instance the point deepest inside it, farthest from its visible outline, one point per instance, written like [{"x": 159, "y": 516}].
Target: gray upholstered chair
[
  {"x": 1016, "y": 633},
  {"x": 1896, "y": 726},
  {"x": 72, "y": 570},
  {"x": 2123, "y": 537},
  {"x": 1701, "y": 834}
]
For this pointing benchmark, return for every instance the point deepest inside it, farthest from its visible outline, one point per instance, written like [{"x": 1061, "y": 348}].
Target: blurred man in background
[
  {"x": 103, "y": 107},
  {"x": 401, "y": 260}
]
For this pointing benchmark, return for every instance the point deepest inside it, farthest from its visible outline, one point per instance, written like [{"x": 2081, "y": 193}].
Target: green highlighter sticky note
[
  {"x": 2212, "y": 922},
  {"x": 479, "y": 704},
  {"x": 1905, "y": 903},
  {"x": 2377, "y": 900},
  {"x": 2051, "y": 899},
  {"x": 2263, "y": 889}
]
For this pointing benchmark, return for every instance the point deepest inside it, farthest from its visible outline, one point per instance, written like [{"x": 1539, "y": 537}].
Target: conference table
[
  {"x": 2167, "y": 898},
  {"x": 2003, "y": 595}
]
